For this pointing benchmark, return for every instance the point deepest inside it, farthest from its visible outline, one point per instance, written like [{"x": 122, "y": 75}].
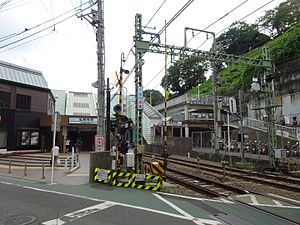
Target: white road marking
[
  {"x": 277, "y": 203},
  {"x": 253, "y": 199},
  {"x": 187, "y": 215},
  {"x": 69, "y": 217},
  {"x": 173, "y": 206},
  {"x": 116, "y": 203},
  {"x": 275, "y": 206},
  {"x": 54, "y": 222},
  {"x": 277, "y": 196},
  {"x": 222, "y": 200}
]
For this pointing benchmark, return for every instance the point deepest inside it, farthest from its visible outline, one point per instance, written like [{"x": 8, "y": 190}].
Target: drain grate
[{"x": 18, "y": 220}]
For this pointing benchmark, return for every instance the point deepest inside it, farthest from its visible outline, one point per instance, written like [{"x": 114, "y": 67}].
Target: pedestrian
[
  {"x": 67, "y": 143},
  {"x": 55, "y": 153}
]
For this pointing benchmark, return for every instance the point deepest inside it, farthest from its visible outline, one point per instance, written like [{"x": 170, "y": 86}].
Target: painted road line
[
  {"x": 222, "y": 200},
  {"x": 120, "y": 204},
  {"x": 173, "y": 206},
  {"x": 54, "y": 222},
  {"x": 276, "y": 206},
  {"x": 187, "y": 215},
  {"x": 284, "y": 198},
  {"x": 277, "y": 203},
  {"x": 78, "y": 175},
  {"x": 70, "y": 217}
]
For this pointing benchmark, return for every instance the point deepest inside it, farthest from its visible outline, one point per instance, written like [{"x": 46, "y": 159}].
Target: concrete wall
[{"x": 99, "y": 160}]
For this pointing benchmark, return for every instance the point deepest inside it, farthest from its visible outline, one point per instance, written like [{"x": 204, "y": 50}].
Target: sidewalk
[{"x": 78, "y": 177}]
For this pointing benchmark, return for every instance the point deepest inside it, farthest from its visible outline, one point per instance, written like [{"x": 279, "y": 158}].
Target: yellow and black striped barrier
[
  {"x": 147, "y": 182},
  {"x": 122, "y": 179},
  {"x": 157, "y": 168},
  {"x": 103, "y": 176}
]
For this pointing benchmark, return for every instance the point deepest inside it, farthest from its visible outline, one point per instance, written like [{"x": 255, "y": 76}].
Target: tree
[
  {"x": 240, "y": 38},
  {"x": 279, "y": 19},
  {"x": 156, "y": 96},
  {"x": 185, "y": 74}
]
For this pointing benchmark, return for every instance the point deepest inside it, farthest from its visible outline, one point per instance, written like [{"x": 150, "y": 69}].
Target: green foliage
[
  {"x": 156, "y": 96},
  {"x": 279, "y": 19},
  {"x": 283, "y": 48},
  {"x": 185, "y": 74},
  {"x": 241, "y": 37}
]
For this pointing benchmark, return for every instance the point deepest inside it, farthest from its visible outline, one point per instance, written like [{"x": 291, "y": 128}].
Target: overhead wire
[
  {"x": 46, "y": 28},
  {"x": 182, "y": 9},
  {"x": 149, "y": 21},
  {"x": 27, "y": 42},
  {"x": 223, "y": 29},
  {"x": 14, "y": 5},
  {"x": 238, "y": 21},
  {"x": 213, "y": 23},
  {"x": 222, "y": 17},
  {"x": 7, "y": 37}
]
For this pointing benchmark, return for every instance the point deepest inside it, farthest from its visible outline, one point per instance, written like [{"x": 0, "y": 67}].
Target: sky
[{"x": 66, "y": 52}]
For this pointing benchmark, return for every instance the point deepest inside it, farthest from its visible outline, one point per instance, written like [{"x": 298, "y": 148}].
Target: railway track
[
  {"x": 270, "y": 180},
  {"x": 203, "y": 185},
  {"x": 217, "y": 189}
]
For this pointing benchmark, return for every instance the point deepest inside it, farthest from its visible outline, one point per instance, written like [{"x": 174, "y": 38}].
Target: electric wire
[
  {"x": 14, "y": 5},
  {"x": 7, "y": 37},
  {"x": 222, "y": 17},
  {"x": 182, "y": 9},
  {"x": 151, "y": 18},
  {"x": 238, "y": 21},
  {"x": 46, "y": 28},
  {"x": 27, "y": 42},
  {"x": 221, "y": 30}
]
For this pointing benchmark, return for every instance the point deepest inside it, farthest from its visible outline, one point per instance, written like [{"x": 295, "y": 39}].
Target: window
[
  {"x": 23, "y": 102},
  {"x": 80, "y": 105},
  {"x": 28, "y": 138},
  {"x": 4, "y": 99},
  {"x": 80, "y": 95}
]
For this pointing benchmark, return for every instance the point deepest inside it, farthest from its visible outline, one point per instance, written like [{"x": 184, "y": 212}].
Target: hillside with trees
[{"x": 278, "y": 30}]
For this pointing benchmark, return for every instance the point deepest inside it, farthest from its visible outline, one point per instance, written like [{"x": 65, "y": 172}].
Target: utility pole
[
  {"x": 138, "y": 89},
  {"x": 96, "y": 19},
  {"x": 101, "y": 67}
]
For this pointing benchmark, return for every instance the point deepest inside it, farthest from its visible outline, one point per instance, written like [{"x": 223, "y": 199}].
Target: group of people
[{"x": 69, "y": 145}]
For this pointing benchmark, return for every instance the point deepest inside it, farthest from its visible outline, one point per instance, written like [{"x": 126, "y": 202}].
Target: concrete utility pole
[
  {"x": 101, "y": 67},
  {"x": 96, "y": 19}
]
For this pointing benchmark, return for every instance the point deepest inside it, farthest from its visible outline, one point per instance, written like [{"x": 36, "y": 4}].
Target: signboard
[
  {"x": 58, "y": 120},
  {"x": 99, "y": 143},
  {"x": 140, "y": 92},
  {"x": 282, "y": 133},
  {"x": 102, "y": 174},
  {"x": 140, "y": 103},
  {"x": 82, "y": 120}
]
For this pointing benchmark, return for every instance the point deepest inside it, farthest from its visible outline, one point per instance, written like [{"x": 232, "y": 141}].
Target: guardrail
[
  {"x": 72, "y": 163},
  {"x": 288, "y": 132}
]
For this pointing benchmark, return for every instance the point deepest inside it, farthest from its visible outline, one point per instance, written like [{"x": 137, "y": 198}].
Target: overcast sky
[{"x": 66, "y": 55}]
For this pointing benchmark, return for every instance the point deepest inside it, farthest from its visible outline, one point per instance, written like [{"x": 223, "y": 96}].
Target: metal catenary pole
[{"x": 138, "y": 88}]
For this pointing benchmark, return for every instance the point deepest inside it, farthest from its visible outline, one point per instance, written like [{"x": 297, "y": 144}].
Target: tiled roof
[{"x": 23, "y": 75}]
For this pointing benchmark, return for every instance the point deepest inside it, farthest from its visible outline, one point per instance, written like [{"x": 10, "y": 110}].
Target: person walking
[{"x": 55, "y": 153}]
